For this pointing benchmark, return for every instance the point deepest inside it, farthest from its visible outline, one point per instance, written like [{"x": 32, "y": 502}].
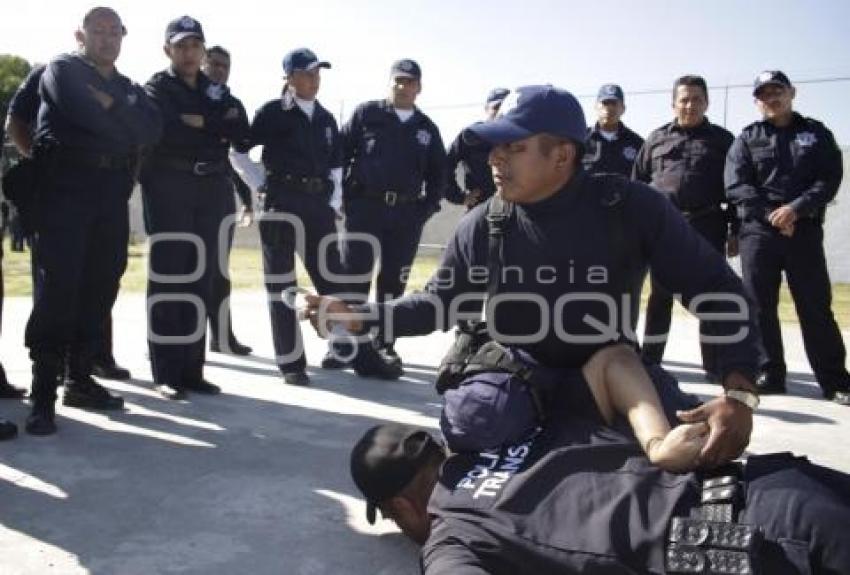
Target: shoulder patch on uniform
[
  {"x": 132, "y": 98},
  {"x": 329, "y": 135},
  {"x": 215, "y": 92},
  {"x": 806, "y": 139},
  {"x": 630, "y": 153},
  {"x": 423, "y": 137}
]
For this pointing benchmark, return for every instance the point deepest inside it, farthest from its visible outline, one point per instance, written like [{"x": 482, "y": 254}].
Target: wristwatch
[{"x": 748, "y": 398}]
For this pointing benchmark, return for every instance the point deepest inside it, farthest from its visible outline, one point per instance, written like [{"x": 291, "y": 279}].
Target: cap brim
[
  {"x": 181, "y": 35},
  {"x": 609, "y": 99},
  {"x": 400, "y": 74},
  {"x": 495, "y": 132},
  {"x": 318, "y": 64},
  {"x": 371, "y": 512}
]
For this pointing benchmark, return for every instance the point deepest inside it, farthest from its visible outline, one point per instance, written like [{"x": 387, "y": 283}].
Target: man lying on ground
[{"x": 581, "y": 498}]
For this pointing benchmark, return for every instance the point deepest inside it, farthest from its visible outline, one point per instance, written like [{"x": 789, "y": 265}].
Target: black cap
[
  {"x": 610, "y": 92},
  {"x": 768, "y": 77},
  {"x": 183, "y": 27},
  {"x": 406, "y": 68},
  {"x": 386, "y": 459}
]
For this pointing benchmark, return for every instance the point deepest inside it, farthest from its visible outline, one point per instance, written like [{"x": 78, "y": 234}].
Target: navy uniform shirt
[
  {"x": 293, "y": 144},
  {"x": 71, "y": 117},
  {"x": 476, "y": 171},
  {"x": 25, "y": 102},
  {"x": 685, "y": 164},
  {"x": 578, "y": 498},
  {"x": 384, "y": 154},
  {"x": 616, "y": 156},
  {"x": 225, "y": 120},
  {"x": 799, "y": 165},
  {"x": 555, "y": 281}
]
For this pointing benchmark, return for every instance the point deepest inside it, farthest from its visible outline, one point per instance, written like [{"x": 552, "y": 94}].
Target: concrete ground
[{"x": 256, "y": 480}]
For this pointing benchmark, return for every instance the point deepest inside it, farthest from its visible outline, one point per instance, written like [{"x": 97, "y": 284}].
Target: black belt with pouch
[{"x": 710, "y": 540}]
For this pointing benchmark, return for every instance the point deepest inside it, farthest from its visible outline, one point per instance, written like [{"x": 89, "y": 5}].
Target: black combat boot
[
  {"x": 369, "y": 363},
  {"x": 7, "y": 390},
  {"x": 81, "y": 390},
  {"x": 47, "y": 369}
]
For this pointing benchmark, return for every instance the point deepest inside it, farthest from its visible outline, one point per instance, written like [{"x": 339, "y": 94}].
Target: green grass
[{"x": 247, "y": 273}]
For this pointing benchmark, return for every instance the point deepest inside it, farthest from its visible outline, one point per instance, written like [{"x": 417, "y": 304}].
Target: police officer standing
[
  {"x": 394, "y": 182},
  {"x": 302, "y": 161},
  {"x": 611, "y": 147},
  {"x": 21, "y": 121},
  {"x": 185, "y": 177},
  {"x": 217, "y": 68},
  {"x": 781, "y": 173},
  {"x": 91, "y": 123},
  {"x": 475, "y": 171},
  {"x": 684, "y": 161}
]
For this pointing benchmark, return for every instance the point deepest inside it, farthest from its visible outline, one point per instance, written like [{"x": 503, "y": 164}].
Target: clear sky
[{"x": 467, "y": 47}]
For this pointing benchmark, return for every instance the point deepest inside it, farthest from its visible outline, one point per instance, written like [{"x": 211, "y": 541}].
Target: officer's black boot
[
  {"x": 108, "y": 368},
  {"x": 82, "y": 391},
  {"x": 369, "y": 363},
  {"x": 7, "y": 390},
  {"x": 8, "y": 430},
  {"x": 389, "y": 355},
  {"x": 47, "y": 368}
]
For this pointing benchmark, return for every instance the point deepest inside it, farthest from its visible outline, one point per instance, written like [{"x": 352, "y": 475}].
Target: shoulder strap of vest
[{"x": 498, "y": 214}]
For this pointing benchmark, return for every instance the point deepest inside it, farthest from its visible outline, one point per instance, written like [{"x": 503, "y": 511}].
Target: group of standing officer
[
  {"x": 390, "y": 169},
  {"x": 764, "y": 197}
]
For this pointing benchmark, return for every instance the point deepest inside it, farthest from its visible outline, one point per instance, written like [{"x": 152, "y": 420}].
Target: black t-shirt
[{"x": 577, "y": 498}]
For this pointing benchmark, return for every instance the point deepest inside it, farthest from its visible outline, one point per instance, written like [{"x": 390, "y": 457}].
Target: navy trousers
[
  {"x": 765, "y": 254},
  {"x": 296, "y": 222},
  {"x": 180, "y": 202}
]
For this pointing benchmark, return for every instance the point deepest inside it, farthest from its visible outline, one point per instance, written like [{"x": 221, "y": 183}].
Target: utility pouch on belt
[{"x": 711, "y": 541}]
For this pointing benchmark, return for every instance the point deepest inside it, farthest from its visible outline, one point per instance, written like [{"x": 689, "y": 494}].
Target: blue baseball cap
[
  {"x": 183, "y": 27},
  {"x": 496, "y": 96},
  {"x": 302, "y": 60},
  {"x": 406, "y": 68},
  {"x": 486, "y": 411},
  {"x": 768, "y": 77},
  {"x": 610, "y": 92},
  {"x": 528, "y": 111}
]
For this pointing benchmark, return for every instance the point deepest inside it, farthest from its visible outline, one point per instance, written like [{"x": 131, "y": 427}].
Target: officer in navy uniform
[
  {"x": 396, "y": 173},
  {"x": 184, "y": 178},
  {"x": 217, "y": 68},
  {"x": 581, "y": 498},
  {"x": 611, "y": 147},
  {"x": 91, "y": 123},
  {"x": 684, "y": 161},
  {"x": 21, "y": 121},
  {"x": 302, "y": 188},
  {"x": 780, "y": 175},
  {"x": 475, "y": 171},
  {"x": 563, "y": 306}
]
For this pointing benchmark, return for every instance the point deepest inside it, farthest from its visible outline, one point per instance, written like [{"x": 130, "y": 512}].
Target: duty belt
[
  {"x": 307, "y": 185},
  {"x": 391, "y": 198},
  {"x": 93, "y": 159},
  {"x": 694, "y": 213},
  {"x": 196, "y": 167},
  {"x": 710, "y": 540}
]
